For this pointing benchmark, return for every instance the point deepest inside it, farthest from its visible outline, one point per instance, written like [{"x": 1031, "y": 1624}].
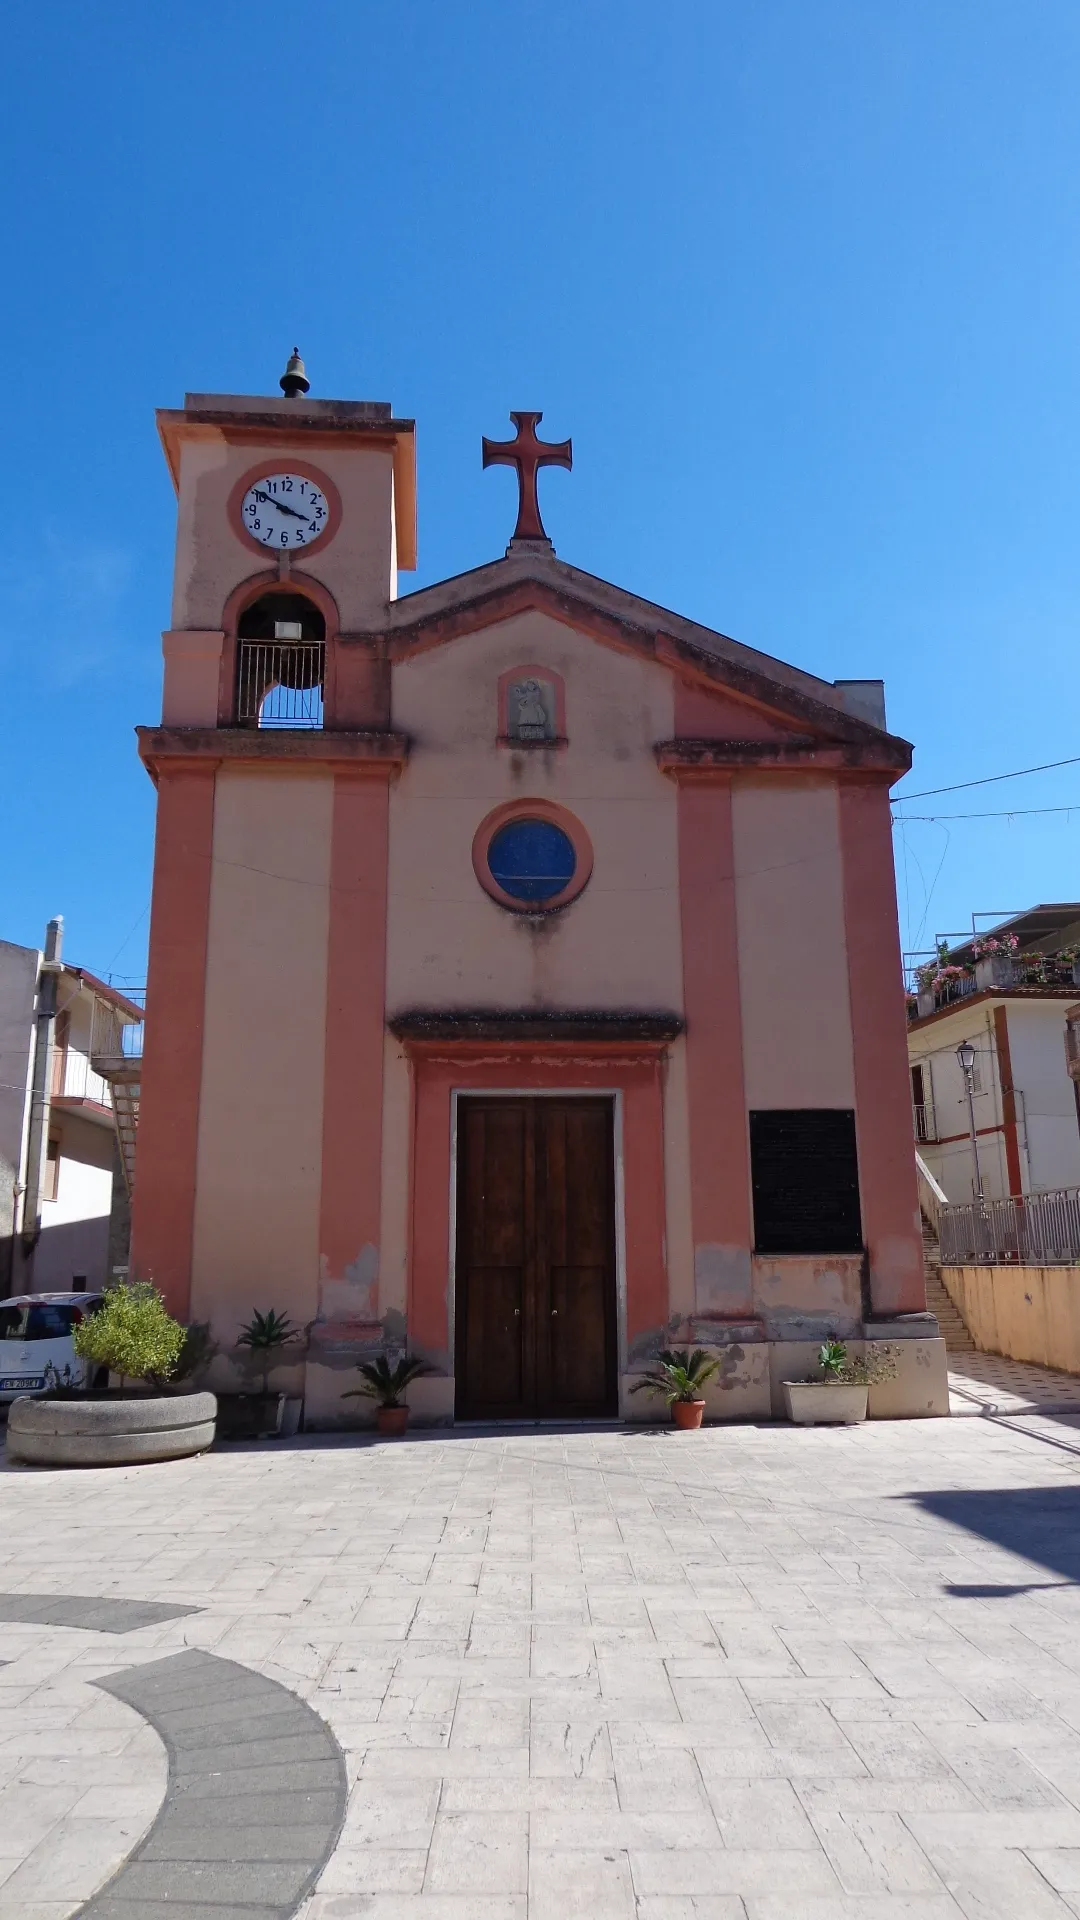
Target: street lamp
[{"x": 965, "y": 1054}]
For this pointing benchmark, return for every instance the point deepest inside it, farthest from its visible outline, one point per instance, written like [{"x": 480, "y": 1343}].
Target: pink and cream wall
[{"x": 308, "y": 893}]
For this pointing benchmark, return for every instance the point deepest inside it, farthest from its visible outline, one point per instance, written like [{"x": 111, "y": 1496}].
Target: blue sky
[{"x": 800, "y": 280}]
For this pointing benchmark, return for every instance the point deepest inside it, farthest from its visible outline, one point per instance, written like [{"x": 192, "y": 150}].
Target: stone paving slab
[
  {"x": 981, "y": 1383},
  {"x": 258, "y": 1859},
  {"x": 94, "y": 1615},
  {"x": 749, "y": 1674}
]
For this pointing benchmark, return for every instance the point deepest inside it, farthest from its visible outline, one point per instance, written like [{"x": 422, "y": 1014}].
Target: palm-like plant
[
  {"x": 264, "y": 1336},
  {"x": 678, "y": 1374},
  {"x": 385, "y": 1383}
]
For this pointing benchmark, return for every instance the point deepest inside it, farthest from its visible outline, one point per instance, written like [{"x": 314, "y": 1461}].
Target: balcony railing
[
  {"x": 113, "y": 1037},
  {"x": 280, "y": 683},
  {"x": 990, "y": 973},
  {"x": 925, "y": 1121},
  {"x": 76, "y": 1079},
  {"x": 1039, "y": 1230}
]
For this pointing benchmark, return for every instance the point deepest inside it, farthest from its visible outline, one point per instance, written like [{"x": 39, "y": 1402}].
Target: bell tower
[
  {"x": 285, "y": 500},
  {"x": 273, "y": 762}
]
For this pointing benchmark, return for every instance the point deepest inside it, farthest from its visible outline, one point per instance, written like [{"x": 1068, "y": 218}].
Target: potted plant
[
  {"x": 386, "y": 1385},
  {"x": 134, "y": 1338},
  {"x": 839, "y": 1395},
  {"x": 678, "y": 1377},
  {"x": 263, "y": 1415}
]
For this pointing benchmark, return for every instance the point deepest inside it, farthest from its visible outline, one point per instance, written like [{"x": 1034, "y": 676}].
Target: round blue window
[{"x": 531, "y": 859}]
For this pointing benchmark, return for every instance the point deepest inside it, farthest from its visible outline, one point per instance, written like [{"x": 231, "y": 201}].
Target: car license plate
[{"x": 21, "y": 1383}]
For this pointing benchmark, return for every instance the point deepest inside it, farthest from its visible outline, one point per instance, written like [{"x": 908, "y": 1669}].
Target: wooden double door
[{"x": 535, "y": 1276}]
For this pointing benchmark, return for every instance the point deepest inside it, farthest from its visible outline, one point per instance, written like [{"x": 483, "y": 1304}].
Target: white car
[{"x": 36, "y": 1350}]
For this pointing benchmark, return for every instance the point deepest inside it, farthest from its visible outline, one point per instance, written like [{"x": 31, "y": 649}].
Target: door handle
[{"x": 554, "y": 1311}]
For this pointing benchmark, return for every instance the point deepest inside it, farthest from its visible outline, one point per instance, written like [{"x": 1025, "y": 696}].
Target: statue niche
[{"x": 530, "y": 710}]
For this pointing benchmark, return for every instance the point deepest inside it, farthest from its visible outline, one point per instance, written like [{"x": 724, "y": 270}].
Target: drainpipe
[{"x": 41, "y": 1084}]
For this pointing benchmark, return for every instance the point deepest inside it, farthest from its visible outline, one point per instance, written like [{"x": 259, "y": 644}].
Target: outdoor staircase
[
  {"x": 938, "y": 1301},
  {"x": 125, "y": 1099}
]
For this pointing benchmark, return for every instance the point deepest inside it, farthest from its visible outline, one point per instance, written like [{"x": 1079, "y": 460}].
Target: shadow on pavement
[{"x": 1041, "y": 1524}]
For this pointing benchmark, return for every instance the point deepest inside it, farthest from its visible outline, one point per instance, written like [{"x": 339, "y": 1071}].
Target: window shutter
[{"x": 805, "y": 1177}]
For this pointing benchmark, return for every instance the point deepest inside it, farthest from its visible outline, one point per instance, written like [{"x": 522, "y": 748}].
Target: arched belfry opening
[{"x": 280, "y": 662}]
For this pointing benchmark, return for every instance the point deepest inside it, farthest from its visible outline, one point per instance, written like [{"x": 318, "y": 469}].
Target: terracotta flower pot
[
  {"x": 687, "y": 1414},
  {"x": 392, "y": 1421}
]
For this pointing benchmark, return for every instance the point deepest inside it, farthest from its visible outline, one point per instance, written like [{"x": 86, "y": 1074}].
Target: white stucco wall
[
  {"x": 1047, "y": 1108},
  {"x": 75, "y": 1226},
  {"x": 949, "y": 1158},
  {"x": 1048, "y": 1136}
]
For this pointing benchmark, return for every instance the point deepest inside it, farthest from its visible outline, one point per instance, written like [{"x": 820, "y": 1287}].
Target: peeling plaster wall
[{"x": 808, "y": 1296}]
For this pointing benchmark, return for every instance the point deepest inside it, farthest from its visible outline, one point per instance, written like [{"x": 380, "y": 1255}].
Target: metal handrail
[
  {"x": 932, "y": 1197},
  {"x": 1037, "y": 1229},
  {"x": 112, "y": 1037}
]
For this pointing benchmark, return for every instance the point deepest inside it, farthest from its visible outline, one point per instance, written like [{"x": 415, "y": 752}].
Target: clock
[{"x": 285, "y": 511}]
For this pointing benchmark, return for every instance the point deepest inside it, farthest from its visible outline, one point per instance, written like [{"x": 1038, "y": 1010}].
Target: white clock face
[{"x": 284, "y": 510}]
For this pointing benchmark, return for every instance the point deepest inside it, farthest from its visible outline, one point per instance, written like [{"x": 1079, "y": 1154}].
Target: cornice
[
  {"x": 365, "y": 755},
  {"x": 705, "y": 760}
]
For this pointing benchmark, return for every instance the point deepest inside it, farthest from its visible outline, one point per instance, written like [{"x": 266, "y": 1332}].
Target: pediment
[{"x": 726, "y": 695}]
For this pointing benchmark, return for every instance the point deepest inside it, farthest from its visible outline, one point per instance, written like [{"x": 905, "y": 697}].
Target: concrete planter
[
  {"x": 824, "y": 1403},
  {"x": 994, "y": 970},
  {"x": 110, "y": 1431},
  {"x": 250, "y": 1416}
]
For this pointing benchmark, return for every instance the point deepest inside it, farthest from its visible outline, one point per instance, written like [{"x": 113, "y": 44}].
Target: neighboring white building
[
  {"x": 1009, "y": 1003},
  {"x": 63, "y": 1195}
]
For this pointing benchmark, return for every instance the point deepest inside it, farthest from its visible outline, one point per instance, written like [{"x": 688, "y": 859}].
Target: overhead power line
[
  {"x": 988, "y": 781},
  {"x": 1007, "y": 813}
]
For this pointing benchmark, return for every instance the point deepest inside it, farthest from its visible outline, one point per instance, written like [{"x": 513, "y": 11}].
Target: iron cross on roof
[{"x": 528, "y": 455}]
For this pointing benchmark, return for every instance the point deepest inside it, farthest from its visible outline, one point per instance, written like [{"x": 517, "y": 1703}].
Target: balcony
[
  {"x": 116, "y": 1035},
  {"x": 77, "y": 1083},
  {"x": 944, "y": 983}
]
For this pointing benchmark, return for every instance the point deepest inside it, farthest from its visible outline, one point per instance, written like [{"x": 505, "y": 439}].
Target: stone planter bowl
[
  {"x": 109, "y": 1432},
  {"x": 824, "y": 1403}
]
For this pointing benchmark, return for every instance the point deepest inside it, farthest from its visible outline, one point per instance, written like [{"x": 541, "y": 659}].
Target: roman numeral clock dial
[{"x": 285, "y": 511}]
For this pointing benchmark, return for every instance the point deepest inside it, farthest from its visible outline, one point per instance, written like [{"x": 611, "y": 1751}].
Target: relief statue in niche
[{"x": 530, "y": 710}]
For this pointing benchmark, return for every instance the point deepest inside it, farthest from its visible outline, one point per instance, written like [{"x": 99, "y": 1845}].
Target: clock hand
[{"x": 272, "y": 501}]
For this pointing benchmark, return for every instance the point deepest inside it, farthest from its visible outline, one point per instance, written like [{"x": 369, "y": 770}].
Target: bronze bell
[{"x": 294, "y": 380}]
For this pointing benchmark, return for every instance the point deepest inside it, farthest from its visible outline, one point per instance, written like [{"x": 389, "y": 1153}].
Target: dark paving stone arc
[
  {"x": 223, "y": 1847},
  {"x": 95, "y": 1613}
]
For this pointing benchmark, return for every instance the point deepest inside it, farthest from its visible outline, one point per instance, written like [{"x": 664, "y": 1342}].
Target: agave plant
[
  {"x": 678, "y": 1374},
  {"x": 264, "y": 1336},
  {"x": 832, "y": 1359},
  {"x": 876, "y": 1364},
  {"x": 386, "y": 1383}
]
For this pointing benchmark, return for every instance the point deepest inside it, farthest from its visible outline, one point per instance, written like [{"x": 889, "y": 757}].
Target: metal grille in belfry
[{"x": 280, "y": 684}]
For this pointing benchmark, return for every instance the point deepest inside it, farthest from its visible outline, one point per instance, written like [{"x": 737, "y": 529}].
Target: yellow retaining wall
[{"x": 1026, "y": 1313}]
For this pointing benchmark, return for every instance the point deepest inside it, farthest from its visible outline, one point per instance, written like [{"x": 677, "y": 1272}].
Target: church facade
[{"x": 524, "y": 979}]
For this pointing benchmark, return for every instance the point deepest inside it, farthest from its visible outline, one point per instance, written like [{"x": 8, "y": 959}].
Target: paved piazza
[{"x": 750, "y": 1674}]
